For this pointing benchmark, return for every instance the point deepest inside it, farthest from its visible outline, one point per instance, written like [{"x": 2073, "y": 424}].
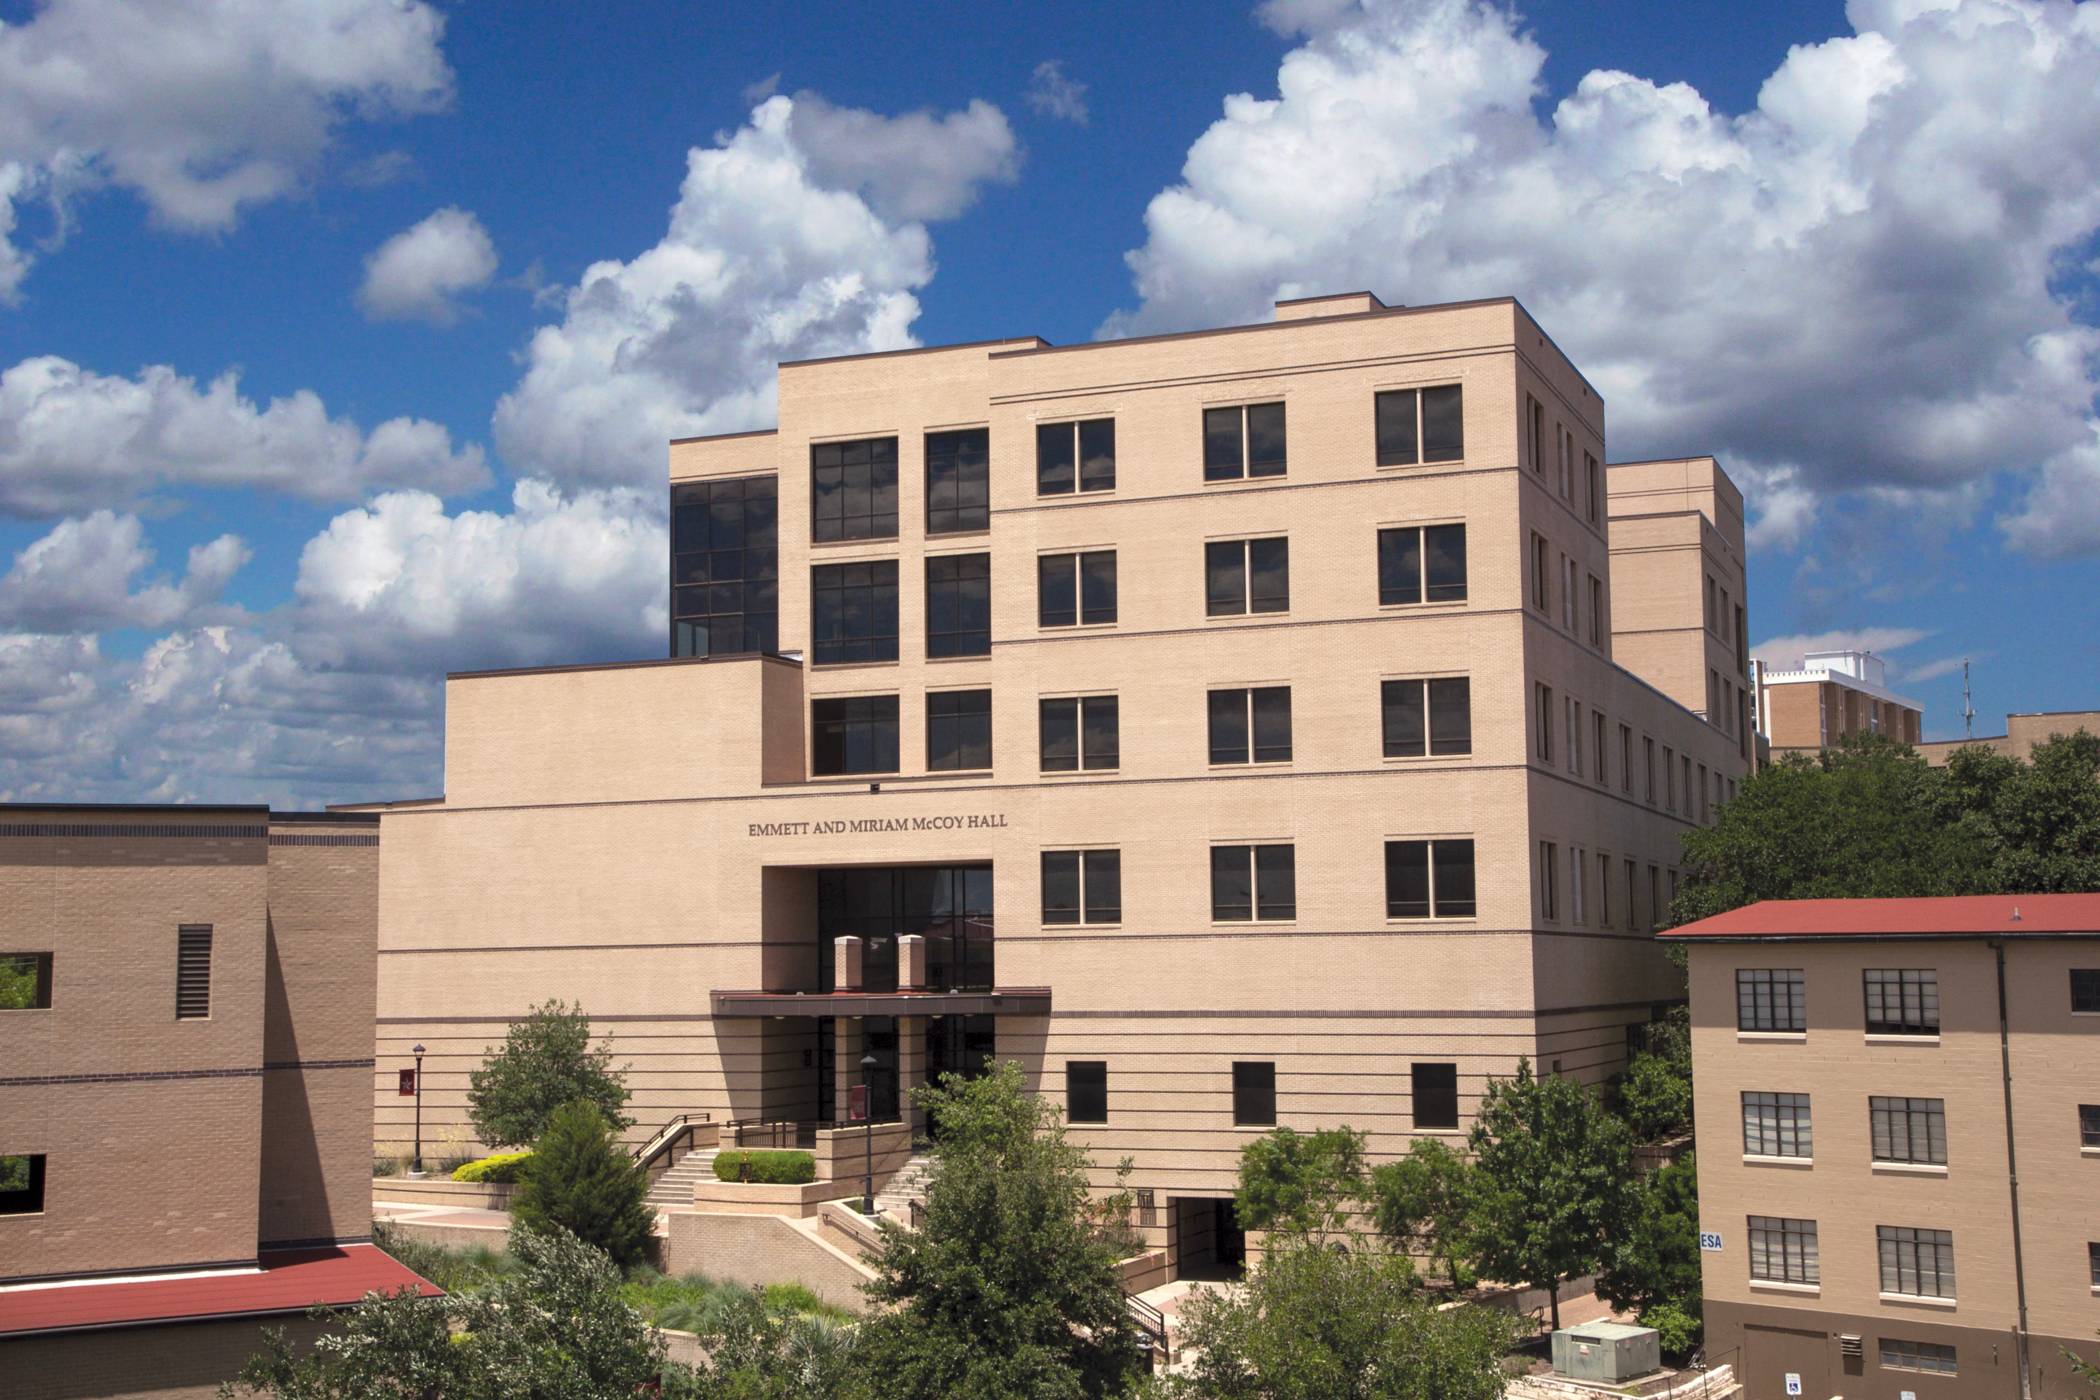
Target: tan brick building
[
  {"x": 186, "y": 997},
  {"x": 1806, "y": 704},
  {"x": 1898, "y": 1115},
  {"x": 2022, "y": 733},
  {"x": 1239, "y": 728}
]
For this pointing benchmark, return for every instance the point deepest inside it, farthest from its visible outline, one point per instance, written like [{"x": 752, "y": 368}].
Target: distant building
[
  {"x": 2022, "y": 733},
  {"x": 1808, "y": 704},
  {"x": 1898, "y": 1115},
  {"x": 186, "y": 1002}
]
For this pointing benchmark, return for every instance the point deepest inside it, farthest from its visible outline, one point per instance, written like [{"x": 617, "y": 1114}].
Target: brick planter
[{"x": 443, "y": 1190}]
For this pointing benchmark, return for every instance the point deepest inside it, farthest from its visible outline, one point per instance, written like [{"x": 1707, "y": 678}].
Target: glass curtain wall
[{"x": 950, "y": 906}]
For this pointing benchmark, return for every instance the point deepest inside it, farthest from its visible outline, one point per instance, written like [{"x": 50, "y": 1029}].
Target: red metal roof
[
  {"x": 1957, "y": 916},
  {"x": 288, "y": 1281}
]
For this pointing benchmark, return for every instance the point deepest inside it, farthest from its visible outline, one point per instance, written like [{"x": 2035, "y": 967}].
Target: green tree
[
  {"x": 1320, "y": 1322},
  {"x": 1654, "y": 1095},
  {"x": 546, "y": 1061},
  {"x": 1423, "y": 1203},
  {"x": 18, "y": 983},
  {"x": 1551, "y": 1181},
  {"x": 2040, "y": 819},
  {"x": 1652, "y": 1268},
  {"x": 579, "y": 1180},
  {"x": 553, "y": 1329},
  {"x": 758, "y": 1353},
  {"x": 1300, "y": 1181},
  {"x": 1008, "y": 1288}
]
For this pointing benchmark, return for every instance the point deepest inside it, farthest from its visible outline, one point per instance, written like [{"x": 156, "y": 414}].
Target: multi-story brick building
[
  {"x": 1898, "y": 1116},
  {"x": 2022, "y": 733},
  {"x": 186, "y": 997},
  {"x": 1806, "y": 704},
  {"x": 1236, "y": 728}
]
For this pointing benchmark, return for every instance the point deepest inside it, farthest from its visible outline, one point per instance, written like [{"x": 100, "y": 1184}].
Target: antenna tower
[{"x": 1968, "y": 711}]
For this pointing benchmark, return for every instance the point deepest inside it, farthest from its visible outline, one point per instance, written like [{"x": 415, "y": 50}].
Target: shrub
[
  {"x": 546, "y": 1061},
  {"x": 384, "y": 1166},
  {"x": 583, "y": 1182},
  {"x": 500, "y": 1170},
  {"x": 767, "y": 1167}
]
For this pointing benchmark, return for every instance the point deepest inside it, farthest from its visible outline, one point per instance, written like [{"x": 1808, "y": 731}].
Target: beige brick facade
[{"x": 642, "y": 837}]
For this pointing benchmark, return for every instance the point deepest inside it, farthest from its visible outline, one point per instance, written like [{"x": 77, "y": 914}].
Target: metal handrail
[
  {"x": 684, "y": 1125},
  {"x": 778, "y": 1132},
  {"x": 1150, "y": 1320}
]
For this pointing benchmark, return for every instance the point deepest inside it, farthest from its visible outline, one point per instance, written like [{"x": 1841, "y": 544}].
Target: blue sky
[{"x": 1873, "y": 296}]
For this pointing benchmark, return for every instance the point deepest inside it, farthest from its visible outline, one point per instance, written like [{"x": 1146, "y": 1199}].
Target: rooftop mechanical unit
[{"x": 1606, "y": 1351}]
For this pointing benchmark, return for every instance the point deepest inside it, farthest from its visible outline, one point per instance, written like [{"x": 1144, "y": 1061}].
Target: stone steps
[{"x": 675, "y": 1186}]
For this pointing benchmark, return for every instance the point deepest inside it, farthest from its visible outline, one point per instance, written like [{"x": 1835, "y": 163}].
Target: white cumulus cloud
[
  {"x": 1054, "y": 94},
  {"x": 775, "y": 251},
  {"x": 1851, "y": 286},
  {"x": 78, "y": 579},
  {"x": 1783, "y": 653},
  {"x": 200, "y": 107},
  {"x": 417, "y": 274},
  {"x": 73, "y": 440}
]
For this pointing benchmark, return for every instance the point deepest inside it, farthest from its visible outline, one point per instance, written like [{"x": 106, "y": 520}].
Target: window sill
[
  {"x": 851, "y": 665},
  {"x": 1774, "y": 1037},
  {"x": 1435, "y": 921},
  {"x": 1074, "y": 772},
  {"x": 972, "y": 656},
  {"x": 1427, "y": 605},
  {"x": 1089, "y": 493},
  {"x": 959, "y": 772},
  {"x": 1758, "y": 1159},
  {"x": 1403, "y": 759},
  {"x": 983, "y": 532},
  {"x": 1917, "y": 1300},
  {"x": 1459, "y": 464},
  {"x": 2089, "y": 1151},
  {"x": 1910, "y": 1168},
  {"x": 871, "y": 542},
  {"x": 1247, "y": 616},
  {"x": 1269, "y": 764},
  {"x": 1886, "y": 1038},
  {"x": 1081, "y": 927},
  {"x": 1806, "y": 1290},
  {"x": 1066, "y": 629},
  {"x": 1229, "y": 925}
]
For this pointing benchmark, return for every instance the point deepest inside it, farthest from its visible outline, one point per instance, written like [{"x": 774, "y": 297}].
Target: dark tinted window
[
  {"x": 1422, "y": 564},
  {"x": 1254, "y": 1093},
  {"x": 1451, "y": 867},
  {"x": 857, "y": 734},
  {"x": 1250, "y": 725},
  {"x": 853, "y": 612},
  {"x": 1767, "y": 998},
  {"x": 1078, "y": 733},
  {"x": 1443, "y": 425},
  {"x": 1428, "y": 717},
  {"x": 725, "y": 561},
  {"x": 1097, "y": 454},
  {"x": 1253, "y": 882},
  {"x": 959, "y": 730},
  {"x": 1076, "y": 588},
  {"x": 1086, "y": 1091},
  {"x": 1400, "y": 566},
  {"x": 1420, "y": 425},
  {"x": 1060, "y": 887},
  {"x": 1902, "y": 1001},
  {"x": 21, "y": 1183},
  {"x": 1435, "y": 1093},
  {"x": 1097, "y": 586},
  {"x": 958, "y": 481},
  {"x": 1082, "y": 887},
  {"x": 25, "y": 981},
  {"x": 853, "y": 490},
  {"x": 1242, "y": 442},
  {"x": 1397, "y": 438},
  {"x": 1243, "y": 576},
  {"x": 1224, "y": 449},
  {"x": 193, "y": 972},
  {"x": 1082, "y": 452},
  {"x": 959, "y": 605},
  {"x": 2089, "y": 1125},
  {"x": 1444, "y": 563},
  {"x": 2085, "y": 989},
  {"x": 1103, "y": 881},
  {"x": 1429, "y": 879},
  {"x": 1265, "y": 439},
  {"x": 1451, "y": 715}
]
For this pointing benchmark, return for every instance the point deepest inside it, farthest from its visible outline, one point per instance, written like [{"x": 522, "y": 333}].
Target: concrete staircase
[
  {"x": 907, "y": 1186},
  {"x": 675, "y": 1186}
]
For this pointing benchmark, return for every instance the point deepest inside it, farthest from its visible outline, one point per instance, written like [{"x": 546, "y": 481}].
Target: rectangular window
[
  {"x": 1767, "y": 998},
  {"x": 958, "y": 481},
  {"x": 959, "y": 605},
  {"x": 1435, "y": 1094},
  {"x": 725, "y": 567},
  {"x": 193, "y": 972},
  {"x": 856, "y": 734},
  {"x": 1423, "y": 717},
  {"x": 1899, "y": 1355},
  {"x": 1538, "y": 435},
  {"x": 2092, "y": 1262},
  {"x": 21, "y": 1183},
  {"x": 1597, "y": 769},
  {"x": 1078, "y": 733},
  {"x": 25, "y": 981},
  {"x": 1909, "y": 1130},
  {"x": 1705, "y": 811},
  {"x": 1251, "y": 726},
  {"x": 1783, "y": 1250},
  {"x": 853, "y": 612},
  {"x": 1574, "y": 718},
  {"x": 1542, "y": 721},
  {"x": 1072, "y": 589},
  {"x": 2089, "y": 1125},
  {"x": 1575, "y": 902},
  {"x": 1569, "y": 598},
  {"x": 1655, "y": 904},
  {"x": 1549, "y": 880},
  {"x": 1082, "y": 887},
  {"x": 1669, "y": 779},
  {"x": 1429, "y": 879},
  {"x": 1777, "y": 1125},
  {"x": 1648, "y": 767},
  {"x": 1603, "y": 891},
  {"x": 1241, "y": 442},
  {"x": 1626, "y": 758},
  {"x": 1247, "y": 576},
  {"x": 1420, "y": 425},
  {"x": 1422, "y": 564},
  {"x": 1596, "y": 611},
  {"x": 1253, "y": 882},
  {"x": 958, "y": 730},
  {"x": 1594, "y": 486},
  {"x": 1902, "y": 1001},
  {"x": 1633, "y": 896},
  {"x": 1541, "y": 576},
  {"x": 1086, "y": 1091},
  {"x": 1254, "y": 1093},
  {"x": 1081, "y": 455},
  {"x": 1917, "y": 1263},
  {"x": 853, "y": 490},
  {"x": 2085, "y": 990}
]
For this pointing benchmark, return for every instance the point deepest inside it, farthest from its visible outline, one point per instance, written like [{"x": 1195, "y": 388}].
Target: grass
[{"x": 454, "y": 1270}]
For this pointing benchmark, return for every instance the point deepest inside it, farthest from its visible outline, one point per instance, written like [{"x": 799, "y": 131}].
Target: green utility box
[{"x": 1606, "y": 1351}]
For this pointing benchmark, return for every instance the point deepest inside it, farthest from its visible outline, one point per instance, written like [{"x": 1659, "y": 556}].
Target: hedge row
[
  {"x": 499, "y": 1170},
  {"x": 767, "y": 1167}
]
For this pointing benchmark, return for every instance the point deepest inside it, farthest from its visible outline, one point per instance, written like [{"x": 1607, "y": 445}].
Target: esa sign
[{"x": 1710, "y": 1241}]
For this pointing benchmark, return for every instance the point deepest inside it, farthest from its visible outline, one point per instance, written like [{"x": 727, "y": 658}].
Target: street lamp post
[
  {"x": 867, "y": 1090},
  {"x": 418, "y": 1053}
]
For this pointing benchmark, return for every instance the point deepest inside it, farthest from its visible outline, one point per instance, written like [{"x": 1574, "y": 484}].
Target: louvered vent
[
  {"x": 1849, "y": 1345},
  {"x": 193, "y": 974}
]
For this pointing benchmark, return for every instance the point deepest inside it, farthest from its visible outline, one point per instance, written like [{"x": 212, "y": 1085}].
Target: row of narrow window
[
  {"x": 854, "y": 607},
  {"x": 1902, "y": 1129},
  {"x": 1916, "y": 1262},
  {"x": 1425, "y": 717},
  {"x": 1578, "y": 739},
  {"x": 1258, "y": 882},
  {"x": 1432, "y": 1099},
  {"x": 1898, "y": 1001}
]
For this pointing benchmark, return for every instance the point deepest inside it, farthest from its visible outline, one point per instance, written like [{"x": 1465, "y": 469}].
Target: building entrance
[
  {"x": 950, "y": 906},
  {"x": 1208, "y": 1240}
]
